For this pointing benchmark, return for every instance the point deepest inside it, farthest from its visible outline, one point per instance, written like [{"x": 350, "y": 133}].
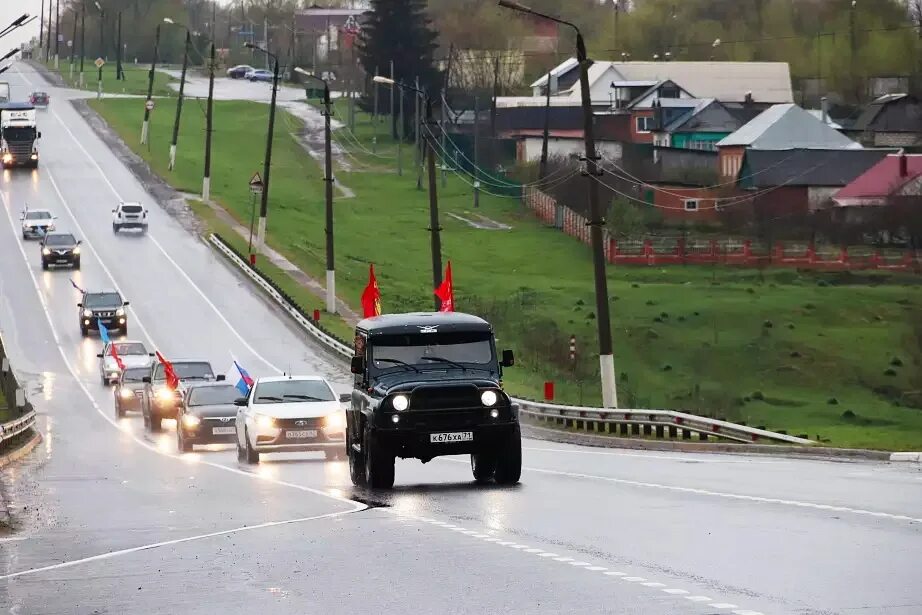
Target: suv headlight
[
  {"x": 120, "y": 312},
  {"x": 400, "y": 402},
  {"x": 46, "y": 251},
  {"x": 264, "y": 422},
  {"x": 77, "y": 250},
  {"x": 488, "y": 398},
  {"x": 87, "y": 313}
]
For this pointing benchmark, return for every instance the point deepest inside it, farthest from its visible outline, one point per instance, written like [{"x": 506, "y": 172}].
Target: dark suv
[
  {"x": 430, "y": 384},
  {"x": 159, "y": 401},
  {"x": 60, "y": 249},
  {"x": 107, "y": 306}
]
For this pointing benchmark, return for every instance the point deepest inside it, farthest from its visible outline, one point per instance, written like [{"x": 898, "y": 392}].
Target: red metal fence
[{"x": 746, "y": 253}]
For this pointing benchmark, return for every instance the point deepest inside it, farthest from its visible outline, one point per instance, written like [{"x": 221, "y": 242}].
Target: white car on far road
[
  {"x": 290, "y": 414},
  {"x": 132, "y": 354},
  {"x": 36, "y": 222},
  {"x": 129, "y": 215}
]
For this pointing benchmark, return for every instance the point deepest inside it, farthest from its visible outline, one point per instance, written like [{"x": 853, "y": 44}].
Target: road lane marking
[
  {"x": 718, "y": 494},
  {"x": 167, "y": 543}
]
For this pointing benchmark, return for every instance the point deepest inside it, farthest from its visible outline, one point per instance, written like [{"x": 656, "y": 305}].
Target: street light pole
[
  {"x": 267, "y": 163},
  {"x": 118, "y": 49},
  {"x": 182, "y": 85},
  {"x": 434, "y": 226},
  {"x": 209, "y": 120},
  {"x": 542, "y": 169},
  {"x": 102, "y": 48},
  {"x": 596, "y": 221},
  {"x": 82, "y": 39},
  {"x": 73, "y": 46},
  {"x": 57, "y": 33},
  {"x": 145, "y": 127}
]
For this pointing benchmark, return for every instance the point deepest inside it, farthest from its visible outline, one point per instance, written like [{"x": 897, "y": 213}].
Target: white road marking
[
  {"x": 165, "y": 543},
  {"x": 718, "y": 494},
  {"x": 698, "y": 598},
  {"x": 676, "y": 592},
  {"x": 615, "y": 573},
  {"x": 722, "y": 605},
  {"x": 633, "y": 579}
]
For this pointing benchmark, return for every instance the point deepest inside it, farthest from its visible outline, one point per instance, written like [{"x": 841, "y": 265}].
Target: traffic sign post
[
  {"x": 256, "y": 189},
  {"x": 256, "y": 184},
  {"x": 149, "y": 105},
  {"x": 99, "y": 62}
]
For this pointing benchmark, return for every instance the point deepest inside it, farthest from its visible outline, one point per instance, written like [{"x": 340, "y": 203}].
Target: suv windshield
[
  {"x": 187, "y": 371},
  {"x": 60, "y": 240},
  {"x": 128, "y": 348},
  {"x": 464, "y": 347},
  {"x": 288, "y": 391},
  {"x": 134, "y": 374},
  {"x": 213, "y": 395},
  {"x": 97, "y": 300},
  {"x": 38, "y": 215}
]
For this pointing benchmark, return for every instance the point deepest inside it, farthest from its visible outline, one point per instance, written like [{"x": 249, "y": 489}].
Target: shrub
[
  {"x": 833, "y": 401},
  {"x": 758, "y": 395},
  {"x": 889, "y": 372},
  {"x": 848, "y": 415},
  {"x": 896, "y": 362},
  {"x": 768, "y": 324}
]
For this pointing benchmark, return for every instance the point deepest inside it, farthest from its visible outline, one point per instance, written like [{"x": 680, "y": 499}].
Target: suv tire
[
  {"x": 84, "y": 332},
  {"x": 483, "y": 466},
  {"x": 44, "y": 265},
  {"x": 509, "y": 459},
  {"x": 356, "y": 466},
  {"x": 379, "y": 463},
  {"x": 115, "y": 227},
  {"x": 77, "y": 263}
]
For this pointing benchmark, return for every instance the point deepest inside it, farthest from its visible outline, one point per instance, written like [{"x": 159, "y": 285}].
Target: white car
[
  {"x": 129, "y": 215},
  {"x": 132, "y": 354},
  {"x": 290, "y": 414},
  {"x": 36, "y": 222}
]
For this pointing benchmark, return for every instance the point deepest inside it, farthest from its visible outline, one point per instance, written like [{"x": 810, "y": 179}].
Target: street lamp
[
  {"x": 434, "y": 227},
  {"x": 182, "y": 86},
  {"x": 102, "y": 47},
  {"x": 596, "y": 221},
  {"x": 264, "y": 200},
  {"x": 328, "y": 187}
]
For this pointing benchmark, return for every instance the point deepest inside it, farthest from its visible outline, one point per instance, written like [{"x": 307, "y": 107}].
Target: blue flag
[{"x": 103, "y": 332}]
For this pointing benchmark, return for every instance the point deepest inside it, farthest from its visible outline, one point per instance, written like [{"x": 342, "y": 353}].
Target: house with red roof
[{"x": 894, "y": 177}]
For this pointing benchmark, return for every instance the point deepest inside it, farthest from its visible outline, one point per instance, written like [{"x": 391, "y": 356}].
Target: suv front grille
[
  {"x": 312, "y": 423},
  {"x": 445, "y": 398}
]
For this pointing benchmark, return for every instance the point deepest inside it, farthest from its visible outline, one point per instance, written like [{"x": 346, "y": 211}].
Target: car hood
[
  {"x": 407, "y": 380},
  {"x": 213, "y": 411},
  {"x": 298, "y": 410},
  {"x": 130, "y": 360}
]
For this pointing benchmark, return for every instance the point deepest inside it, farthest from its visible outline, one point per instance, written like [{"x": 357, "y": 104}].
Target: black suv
[
  {"x": 159, "y": 401},
  {"x": 60, "y": 249},
  {"x": 107, "y": 306},
  {"x": 430, "y": 384}
]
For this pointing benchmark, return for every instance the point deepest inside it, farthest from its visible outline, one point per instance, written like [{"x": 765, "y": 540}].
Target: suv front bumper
[{"x": 411, "y": 435}]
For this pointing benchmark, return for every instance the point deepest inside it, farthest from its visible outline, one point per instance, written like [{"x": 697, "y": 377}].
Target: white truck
[{"x": 18, "y": 133}]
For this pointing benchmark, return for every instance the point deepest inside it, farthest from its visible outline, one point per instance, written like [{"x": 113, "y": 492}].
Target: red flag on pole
[
  {"x": 172, "y": 380},
  {"x": 118, "y": 360},
  {"x": 445, "y": 292},
  {"x": 371, "y": 296}
]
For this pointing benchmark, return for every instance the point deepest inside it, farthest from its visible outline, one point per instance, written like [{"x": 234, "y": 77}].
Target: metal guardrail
[
  {"x": 659, "y": 423},
  {"x": 11, "y": 429}
]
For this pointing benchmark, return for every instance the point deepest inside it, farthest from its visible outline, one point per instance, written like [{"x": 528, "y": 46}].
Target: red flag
[
  {"x": 172, "y": 380},
  {"x": 446, "y": 292},
  {"x": 118, "y": 360},
  {"x": 371, "y": 296}
]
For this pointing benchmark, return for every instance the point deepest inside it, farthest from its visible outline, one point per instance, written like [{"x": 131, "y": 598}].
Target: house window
[
  {"x": 644, "y": 124},
  {"x": 691, "y": 204}
]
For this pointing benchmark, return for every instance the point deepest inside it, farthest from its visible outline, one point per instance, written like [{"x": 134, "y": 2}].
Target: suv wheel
[
  {"x": 356, "y": 466},
  {"x": 483, "y": 465},
  {"x": 44, "y": 265},
  {"x": 115, "y": 227},
  {"x": 77, "y": 263},
  {"x": 379, "y": 463},
  {"x": 509, "y": 459},
  {"x": 84, "y": 332}
]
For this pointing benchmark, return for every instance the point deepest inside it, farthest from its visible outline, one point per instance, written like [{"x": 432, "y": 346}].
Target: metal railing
[
  {"x": 16, "y": 400},
  {"x": 11, "y": 429},
  {"x": 655, "y": 423}
]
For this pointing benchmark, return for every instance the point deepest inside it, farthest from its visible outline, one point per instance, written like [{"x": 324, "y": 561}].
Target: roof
[
  {"x": 818, "y": 114},
  {"x": 697, "y": 106},
  {"x": 882, "y": 179},
  {"x": 787, "y": 127},
  {"x": 880, "y": 116},
  {"x": 413, "y": 322},
  {"x": 664, "y": 102},
  {"x": 563, "y": 67},
  {"x": 807, "y": 167}
]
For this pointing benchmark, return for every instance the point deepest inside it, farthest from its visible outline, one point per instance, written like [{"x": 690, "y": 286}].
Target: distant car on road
[
  {"x": 239, "y": 71},
  {"x": 106, "y": 306},
  {"x": 129, "y": 389},
  {"x": 60, "y": 249},
  {"x": 39, "y": 99},
  {"x": 129, "y": 215},
  {"x": 36, "y": 223},
  {"x": 259, "y": 75},
  {"x": 159, "y": 400},
  {"x": 206, "y": 415},
  {"x": 133, "y": 354},
  {"x": 290, "y": 414}
]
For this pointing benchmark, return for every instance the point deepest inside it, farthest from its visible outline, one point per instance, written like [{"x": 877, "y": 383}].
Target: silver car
[{"x": 132, "y": 354}]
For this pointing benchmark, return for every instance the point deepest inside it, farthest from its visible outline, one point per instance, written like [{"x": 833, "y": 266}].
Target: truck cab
[
  {"x": 430, "y": 384},
  {"x": 18, "y": 134}
]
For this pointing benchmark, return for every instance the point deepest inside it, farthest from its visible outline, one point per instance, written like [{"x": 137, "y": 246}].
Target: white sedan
[
  {"x": 290, "y": 414},
  {"x": 132, "y": 354}
]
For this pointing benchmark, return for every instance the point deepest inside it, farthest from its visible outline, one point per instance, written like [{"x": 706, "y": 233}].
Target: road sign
[
  {"x": 256, "y": 184},
  {"x": 70, "y": 43},
  {"x": 60, "y": 38},
  {"x": 149, "y": 105},
  {"x": 99, "y": 62}
]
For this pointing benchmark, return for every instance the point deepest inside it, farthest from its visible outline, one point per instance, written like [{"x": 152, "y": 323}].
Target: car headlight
[
  {"x": 264, "y": 422},
  {"x": 7, "y": 158},
  {"x": 165, "y": 394},
  {"x": 34, "y": 156},
  {"x": 488, "y": 398},
  {"x": 335, "y": 421},
  {"x": 120, "y": 312},
  {"x": 87, "y": 313},
  {"x": 46, "y": 251},
  {"x": 400, "y": 402},
  {"x": 190, "y": 420},
  {"x": 126, "y": 393},
  {"x": 77, "y": 250}
]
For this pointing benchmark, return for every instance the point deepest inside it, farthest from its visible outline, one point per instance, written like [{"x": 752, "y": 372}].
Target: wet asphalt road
[{"x": 111, "y": 520}]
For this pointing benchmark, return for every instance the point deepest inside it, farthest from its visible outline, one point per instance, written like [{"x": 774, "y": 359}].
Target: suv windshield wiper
[
  {"x": 397, "y": 362},
  {"x": 304, "y": 397},
  {"x": 442, "y": 360},
  {"x": 268, "y": 398}
]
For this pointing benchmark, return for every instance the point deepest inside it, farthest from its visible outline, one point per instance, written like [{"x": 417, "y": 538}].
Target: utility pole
[
  {"x": 73, "y": 46},
  {"x": 476, "y": 148},
  {"x": 57, "y": 34},
  {"x": 853, "y": 48},
  {"x": 119, "y": 74},
  {"x": 328, "y": 196},
  {"x": 266, "y": 36},
  {"x": 102, "y": 48},
  {"x": 41, "y": 25},
  {"x": 209, "y": 122},
  {"x": 145, "y": 127},
  {"x": 82, "y": 38},
  {"x": 267, "y": 162},
  {"x": 442, "y": 138},
  {"x": 542, "y": 169},
  {"x": 48, "y": 38},
  {"x": 493, "y": 113},
  {"x": 400, "y": 137},
  {"x": 434, "y": 227},
  {"x": 392, "y": 110},
  {"x": 182, "y": 85},
  {"x": 374, "y": 115},
  {"x": 419, "y": 161}
]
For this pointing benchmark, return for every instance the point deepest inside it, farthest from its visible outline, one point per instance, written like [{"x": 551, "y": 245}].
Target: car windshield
[
  {"x": 131, "y": 209},
  {"x": 96, "y": 300},
  {"x": 287, "y": 391},
  {"x": 60, "y": 240},
  {"x": 213, "y": 395},
  {"x": 443, "y": 349},
  {"x": 134, "y": 374},
  {"x": 130, "y": 348},
  {"x": 187, "y": 371},
  {"x": 38, "y": 215}
]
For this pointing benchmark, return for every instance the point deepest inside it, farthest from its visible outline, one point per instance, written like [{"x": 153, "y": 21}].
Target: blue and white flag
[{"x": 240, "y": 378}]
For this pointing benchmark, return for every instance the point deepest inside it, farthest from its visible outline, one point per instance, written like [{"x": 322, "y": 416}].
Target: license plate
[
  {"x": 455, "y": 436},
  {"x": 301, "y": 433},
  {"x": 223, "y": 431},
  {"x": 62, "y": 260}
]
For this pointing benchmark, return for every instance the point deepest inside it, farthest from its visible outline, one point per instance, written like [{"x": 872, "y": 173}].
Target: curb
[
  {"x": 22, "y": 451},
  {"x": 566, "y": 437}
]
